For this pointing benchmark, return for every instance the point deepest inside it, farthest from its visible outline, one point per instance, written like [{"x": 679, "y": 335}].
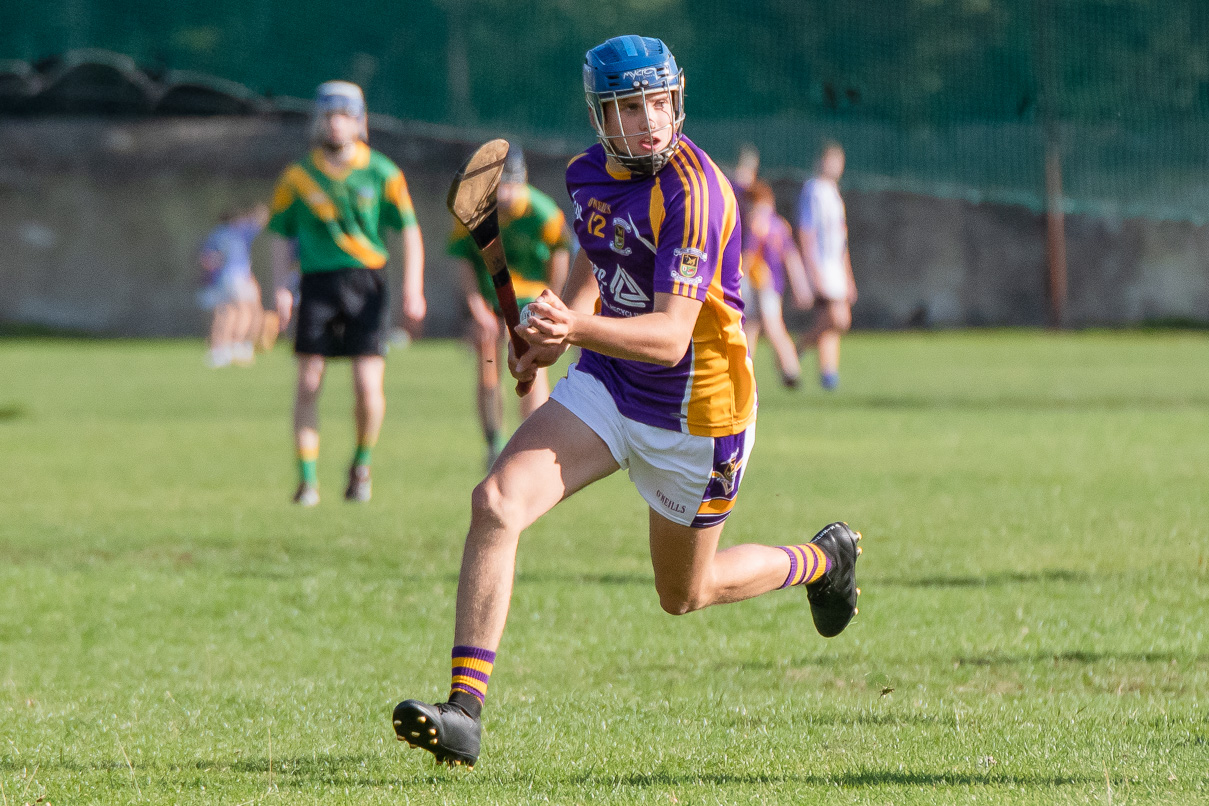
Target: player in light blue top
[{"x": 229, "y": 289}]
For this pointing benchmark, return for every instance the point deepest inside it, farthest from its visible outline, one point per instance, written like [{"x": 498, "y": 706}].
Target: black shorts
[{"x": 342, "y": 313}]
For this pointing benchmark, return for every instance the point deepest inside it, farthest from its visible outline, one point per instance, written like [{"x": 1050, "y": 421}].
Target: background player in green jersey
[
  {"x": 330, "y": 209},
  {"x": 536, "y": 243}
]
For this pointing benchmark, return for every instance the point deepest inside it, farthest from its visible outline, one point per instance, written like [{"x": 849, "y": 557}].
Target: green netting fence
[{"x": 942, "y": 97}]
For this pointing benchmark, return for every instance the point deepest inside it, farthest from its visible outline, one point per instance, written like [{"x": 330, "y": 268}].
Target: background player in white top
[{"x": 823, "y": 238}]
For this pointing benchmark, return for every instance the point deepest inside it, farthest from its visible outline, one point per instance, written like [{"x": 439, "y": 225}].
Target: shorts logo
[
  {"x": 669, "y": 503},
  {"x": 690, "y": 261},
  {"x": 727, "y": 473}
]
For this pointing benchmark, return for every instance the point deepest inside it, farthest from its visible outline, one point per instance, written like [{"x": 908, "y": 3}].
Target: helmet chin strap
[{"x": 643, "y": 163}]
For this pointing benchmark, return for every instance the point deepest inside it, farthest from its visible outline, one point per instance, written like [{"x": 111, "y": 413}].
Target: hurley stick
[{"x": 472, "y": 201}]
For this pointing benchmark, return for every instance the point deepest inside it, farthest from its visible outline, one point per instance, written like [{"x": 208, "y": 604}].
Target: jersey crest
[
  {"x": 689, "y": 262},
  {"x": 620, "y": 228}
]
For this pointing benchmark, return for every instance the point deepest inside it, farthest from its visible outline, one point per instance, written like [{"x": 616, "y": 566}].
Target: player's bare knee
[
  {"x": 310, "y": 379},
  {"x": 370, "y": 398},
  {"x": 679, "y": 601},
  {"x": 489, "y": 504},
  {"x": 676, "y": 605},
  {"x": 309, "y": 385}
]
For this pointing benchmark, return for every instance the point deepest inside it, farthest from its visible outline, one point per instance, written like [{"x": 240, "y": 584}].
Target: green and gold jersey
[
  {"x": 532, "y": 230},
  {"x": 338, "y": 217}
]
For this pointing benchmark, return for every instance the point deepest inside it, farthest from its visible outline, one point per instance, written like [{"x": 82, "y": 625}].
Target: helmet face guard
[
  {"x": 338, "y": 98},
  {"x": 627, "y": 67}
]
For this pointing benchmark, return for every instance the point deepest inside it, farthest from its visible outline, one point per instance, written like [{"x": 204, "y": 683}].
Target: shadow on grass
[
  {"x": 542, "y": 578},
  {"x": 1078, "y": 657},
  {"x": 12, "y": 411},
  {"x": 861, "y": 779},
  {"x": 1013, "y": 403},
  {"x": 843, "y": 718},
  {"x": 351, "y": 770},
  {"x": 354, "y": 770},
  {"x": 991, "y": 580}
]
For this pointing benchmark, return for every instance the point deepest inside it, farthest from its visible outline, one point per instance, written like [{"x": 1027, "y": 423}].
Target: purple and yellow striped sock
[
  {"x": 807, "y": 563},
  {"x": 471, "y": 671}
]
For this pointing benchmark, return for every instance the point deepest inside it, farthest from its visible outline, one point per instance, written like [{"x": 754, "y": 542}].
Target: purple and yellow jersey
[
  {"x": 767, "y": 238},
  {"x": 676, "y": 232}
]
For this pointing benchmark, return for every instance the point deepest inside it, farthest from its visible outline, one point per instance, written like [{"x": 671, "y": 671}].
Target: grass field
[{"x": 1032, "y": 629}]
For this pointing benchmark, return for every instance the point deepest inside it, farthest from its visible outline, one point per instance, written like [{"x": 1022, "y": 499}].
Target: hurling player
[
  {"x": 332, "y": 209},
  {"x": 664, "y": 388}
]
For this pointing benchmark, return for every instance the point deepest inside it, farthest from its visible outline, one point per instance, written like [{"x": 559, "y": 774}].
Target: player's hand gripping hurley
[{"x": 472, "y": 201}]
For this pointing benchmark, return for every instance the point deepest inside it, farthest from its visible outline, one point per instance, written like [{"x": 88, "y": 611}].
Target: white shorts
[
  {"x": 228, "y": 291},
  {"x": 833, "y": 283},
  {"x": 690, "y": 480},
  {"x": 761, "y": 304}
]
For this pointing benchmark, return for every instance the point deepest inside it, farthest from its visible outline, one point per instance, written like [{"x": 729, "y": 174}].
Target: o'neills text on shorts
[{"x": 669, "y": 503}]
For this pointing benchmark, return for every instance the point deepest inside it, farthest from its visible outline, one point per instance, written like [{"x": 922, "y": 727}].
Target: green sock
[
  {"x": 495, "y": 442},
  {"x": 308, "y": 471},
  {"x": 363, "y": 455}
]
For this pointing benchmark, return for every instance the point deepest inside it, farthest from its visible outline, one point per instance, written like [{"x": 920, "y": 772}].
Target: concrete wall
[
  {"x": 924, "y": 261},
  {"x": 100, "y": 221}
]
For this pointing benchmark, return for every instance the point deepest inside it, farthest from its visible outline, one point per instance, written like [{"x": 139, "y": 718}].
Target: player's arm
[
  {"x": 753, "y": 246},
  {"x": 851, "y": 279},
  {"x": 558, "y": 267},
  {"x": 281, "y": 256},
  {"x": 556, "y": 237},
  {"x": 660, "y": 337},
  {"x": 807, "y": 241},
  {"x": 398, "y": 213},
  {"x": 283, "y": 231},
  {"x": 663, "y": 335},
  {"x": 795, "y": 272},
  {"x": 579, "y": 293},
  {"x": 807, "y": 238},
  {"x": 415, "y": 307}
]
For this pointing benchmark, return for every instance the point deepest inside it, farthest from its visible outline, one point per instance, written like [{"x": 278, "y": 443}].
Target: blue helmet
[{"x": 626, "y": 66}]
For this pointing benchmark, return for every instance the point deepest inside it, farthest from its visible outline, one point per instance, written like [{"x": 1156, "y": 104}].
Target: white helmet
[{"x": 338, "y": 96}]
